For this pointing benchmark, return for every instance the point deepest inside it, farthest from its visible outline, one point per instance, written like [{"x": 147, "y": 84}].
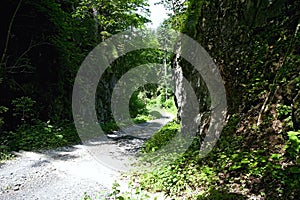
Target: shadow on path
[{"x": 69, "y": 172}]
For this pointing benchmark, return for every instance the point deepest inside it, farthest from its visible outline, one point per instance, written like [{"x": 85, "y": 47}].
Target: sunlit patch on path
[{"x": 68, "y": 172}]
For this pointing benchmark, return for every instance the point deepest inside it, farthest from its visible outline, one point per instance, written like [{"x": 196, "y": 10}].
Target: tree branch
[{"x": 9, "y": 31}]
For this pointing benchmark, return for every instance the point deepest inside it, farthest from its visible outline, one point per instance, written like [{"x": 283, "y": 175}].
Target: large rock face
[
  {"x": 255, "y": 45},
  {"x": 103, "y": 97},
  {"x": 188, "y": 81}
]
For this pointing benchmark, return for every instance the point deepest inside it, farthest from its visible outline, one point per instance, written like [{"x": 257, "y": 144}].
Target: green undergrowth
[
  {"x": 143, "y": 108},
  {"x": 5, "y": 155},
  {"x": 153, "y": 113},
  {"x": 112, "y": 125},
  {"x": 161, "y": 138},
  {"x": 144, "y": 118},
  {"x": 42, "y": 135},
  {"x": 231, "y": 171},
  {"x": 134, "y": 193},
  {"x": 160, "y": 102}
]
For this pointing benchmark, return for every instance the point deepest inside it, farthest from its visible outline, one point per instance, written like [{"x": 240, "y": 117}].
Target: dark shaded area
[
  {"x": 215, "y": 194},
  {"x": 34, "y": 64},
  {"x": 42, "y": 46}
]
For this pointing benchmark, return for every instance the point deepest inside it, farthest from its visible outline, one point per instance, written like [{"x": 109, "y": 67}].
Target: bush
[
  {"x": 137, "y": 105},
  {"x": 23, "y": 108},
  {"x": 42, "y": 136},
  {"x": 162, "y": 137},
  {"x": 252, "y": 171},
  {"x": 109, "y": 127}
]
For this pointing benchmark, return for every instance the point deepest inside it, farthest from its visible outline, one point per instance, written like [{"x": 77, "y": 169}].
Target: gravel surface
[
  {"x": 57, "y": 174},
  {"x": 69, "y": 172}
]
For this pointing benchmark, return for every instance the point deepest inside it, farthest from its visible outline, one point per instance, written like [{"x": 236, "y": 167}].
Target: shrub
[{"x": 42, "y": 136}]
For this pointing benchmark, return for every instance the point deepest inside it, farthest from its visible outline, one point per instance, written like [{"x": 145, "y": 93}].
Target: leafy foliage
[
  {"x": 42, "y": 136},
  {"x": 162, "y": 137},
  {"x": 137, "y": 105},
  {"x": 23, "y": 109},
  {"x": 46, "y": 41},
  {"x": 255, "y": 44},
  {"x": 293, "y": 145},
  {"x": 230, "y": 169}
]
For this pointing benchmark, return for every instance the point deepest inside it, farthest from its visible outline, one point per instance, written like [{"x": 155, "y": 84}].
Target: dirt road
[{"x": 69, "y": 172}]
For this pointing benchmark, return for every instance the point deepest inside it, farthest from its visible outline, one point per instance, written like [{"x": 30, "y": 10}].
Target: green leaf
[
  {"x": 295, "y": 170},
  {"x": 234, "y": 156},
  {"x": 275, "y": 156},
  {"x": 234, "y": 167},
  {"x": 245, "y": 161},
  {"x": 60, "y": 136}
]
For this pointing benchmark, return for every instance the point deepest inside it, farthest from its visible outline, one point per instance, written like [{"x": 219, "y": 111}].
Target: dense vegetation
[
  {"x": 256, "y": 47},
  {"x": 42, "y": 48},
  {"x": 255, "y": 44}
]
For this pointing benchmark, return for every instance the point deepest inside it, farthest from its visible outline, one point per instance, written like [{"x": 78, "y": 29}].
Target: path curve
[{"x": 68, "y": 172}]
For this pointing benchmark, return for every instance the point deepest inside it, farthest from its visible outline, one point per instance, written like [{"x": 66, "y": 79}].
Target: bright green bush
[
  {"x": 276, "y": 174},
  {"x": 293, "y": 145},
  {"x": 161, "y": 138},
  {"x": 137, "y": 105}
]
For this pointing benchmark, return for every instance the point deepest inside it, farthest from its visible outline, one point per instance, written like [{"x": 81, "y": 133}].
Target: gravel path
[{"x": 69, "y": 172}]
